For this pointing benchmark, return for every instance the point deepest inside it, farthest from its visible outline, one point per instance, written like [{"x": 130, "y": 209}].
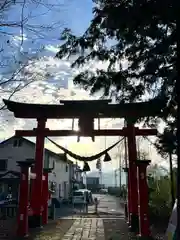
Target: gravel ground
[
  {"x": 54, "y": 230},
  {"x": 116, "y": 229}
]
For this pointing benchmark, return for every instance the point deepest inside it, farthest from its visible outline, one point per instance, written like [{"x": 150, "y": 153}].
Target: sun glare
[{"x": 76, "y": 128}]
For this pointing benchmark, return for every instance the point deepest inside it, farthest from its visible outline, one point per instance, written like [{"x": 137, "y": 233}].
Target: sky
[{"x": 52, "y": 78}]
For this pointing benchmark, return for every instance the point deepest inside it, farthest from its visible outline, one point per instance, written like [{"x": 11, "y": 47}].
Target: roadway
[{"x": 109, "y": 204}]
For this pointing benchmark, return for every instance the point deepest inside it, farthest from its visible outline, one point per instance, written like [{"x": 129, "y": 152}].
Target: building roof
[
  {"x": 51, "y": 153},
  {"x": 13, "y": 173}
]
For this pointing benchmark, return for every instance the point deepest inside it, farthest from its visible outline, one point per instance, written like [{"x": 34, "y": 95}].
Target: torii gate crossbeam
[{"x": 101, "y": 132}]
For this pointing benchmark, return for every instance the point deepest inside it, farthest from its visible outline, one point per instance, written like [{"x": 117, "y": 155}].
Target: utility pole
[
  {"x": 100, "y": 174},
  {"x": 115, "y": 177}
]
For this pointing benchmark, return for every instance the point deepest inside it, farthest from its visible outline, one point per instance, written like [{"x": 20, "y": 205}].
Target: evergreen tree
[
  {"x": 136, "y": 39},
  {"x": 167, "y": 146},
  {"x": 166, "y": 142}
]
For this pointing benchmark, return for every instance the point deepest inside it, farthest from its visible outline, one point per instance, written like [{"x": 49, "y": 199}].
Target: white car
[
  {"x": 104, "y": 191},
  {"x": 79, "y": 197},
  {"x": 82, "y": 196}
]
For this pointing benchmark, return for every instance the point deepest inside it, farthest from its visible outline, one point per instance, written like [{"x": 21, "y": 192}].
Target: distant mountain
[{"x": 108, "y": 178}]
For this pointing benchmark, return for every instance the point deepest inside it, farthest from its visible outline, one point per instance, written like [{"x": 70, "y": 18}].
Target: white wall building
[
  {"x": 60, "y": 175},
  {"x": 20, "y": 149},
  {"x": 76, "y": 178}
]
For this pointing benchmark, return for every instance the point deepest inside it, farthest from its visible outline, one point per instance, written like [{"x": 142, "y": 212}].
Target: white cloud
[
  {"x": 52, "y": 49},
  {"x": 56, "y": 84}
]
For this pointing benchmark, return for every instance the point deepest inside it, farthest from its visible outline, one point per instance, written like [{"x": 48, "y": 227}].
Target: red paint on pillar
[
  {"x": 36, "y": 198},
  {"x": 45, "y": 197},
  {"x": 143, "y": 199},
  {"x": 32, "y": 184},
  {"x": 132, "y": 153},
  {"x": 22, "y": 219},
  {"x": 129, "y": 198}
]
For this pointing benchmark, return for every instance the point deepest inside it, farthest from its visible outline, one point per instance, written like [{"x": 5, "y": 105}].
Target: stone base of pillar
[
  {"x": 134, "y": 223},
  {"x": 35, "y": 221}
]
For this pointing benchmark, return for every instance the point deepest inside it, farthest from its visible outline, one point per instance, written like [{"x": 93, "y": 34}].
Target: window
[
  {"x": 77, "y": 194},
  {"x": 3, "y": 164},
  {"x": 66, "y": 168},
  {"x": 17, "y": 143}
]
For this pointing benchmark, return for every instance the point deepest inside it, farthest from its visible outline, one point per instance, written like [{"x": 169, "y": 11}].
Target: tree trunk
[{"x": 171, "y": 180}]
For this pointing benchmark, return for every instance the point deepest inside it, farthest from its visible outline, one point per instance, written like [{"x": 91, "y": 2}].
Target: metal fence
[
  {"x": 8, "y": 211},
  {"x": 11, "y": 210}
]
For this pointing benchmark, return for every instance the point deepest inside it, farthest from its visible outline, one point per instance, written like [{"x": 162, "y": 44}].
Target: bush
[{"x": 159, "y": 197}]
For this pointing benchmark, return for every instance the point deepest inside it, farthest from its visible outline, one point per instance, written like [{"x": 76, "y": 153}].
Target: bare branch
[{"x": 16, "y": 63}]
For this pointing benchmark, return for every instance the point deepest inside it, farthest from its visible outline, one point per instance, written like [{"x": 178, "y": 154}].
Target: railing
[
  {"x": 8, "y": 211},
  {"x": 11, "y": 210}
]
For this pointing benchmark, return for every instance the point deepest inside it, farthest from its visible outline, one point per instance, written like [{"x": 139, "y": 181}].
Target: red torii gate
[{"x": 86, "y": 112}]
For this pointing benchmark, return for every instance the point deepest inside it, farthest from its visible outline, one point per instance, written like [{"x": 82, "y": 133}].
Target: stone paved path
[{"x": 86, "y": 228}]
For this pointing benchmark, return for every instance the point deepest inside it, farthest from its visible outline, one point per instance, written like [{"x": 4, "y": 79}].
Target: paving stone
[{"x": 86, "y": 228}]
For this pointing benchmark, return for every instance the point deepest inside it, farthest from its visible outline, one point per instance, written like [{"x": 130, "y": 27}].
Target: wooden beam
[
  {"x": 85, "y": 102},
  {"x": 70, "y": 111},
  {"x": 102, "y": 132}
]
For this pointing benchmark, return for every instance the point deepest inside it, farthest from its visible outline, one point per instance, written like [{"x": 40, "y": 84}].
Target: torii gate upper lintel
[
  {"x": 75, "y": 109},
  {"x": 86, "y": 111}
]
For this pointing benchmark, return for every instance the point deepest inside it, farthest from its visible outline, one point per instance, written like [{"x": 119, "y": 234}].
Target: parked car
[
  {"x": 103, "y": 191},
  {"x": 90, "y": 197},
  {"x": 81, "y": 196}
]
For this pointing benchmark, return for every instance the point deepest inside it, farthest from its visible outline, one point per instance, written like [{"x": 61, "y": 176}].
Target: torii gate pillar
[
  {"x": 128, "y": 199},
  {"x": 22, "y": 219},
  {"x": 131, "y": 133},
  {"x": 132, "y": 179},
  {"x": 37, "y": 184},
  {"x": 45, "y": 195},
  {"x": 143, "y": 200}
]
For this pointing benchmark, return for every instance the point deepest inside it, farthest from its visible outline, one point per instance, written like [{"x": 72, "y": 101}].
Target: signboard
[{"x": 170, "y": 233}]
